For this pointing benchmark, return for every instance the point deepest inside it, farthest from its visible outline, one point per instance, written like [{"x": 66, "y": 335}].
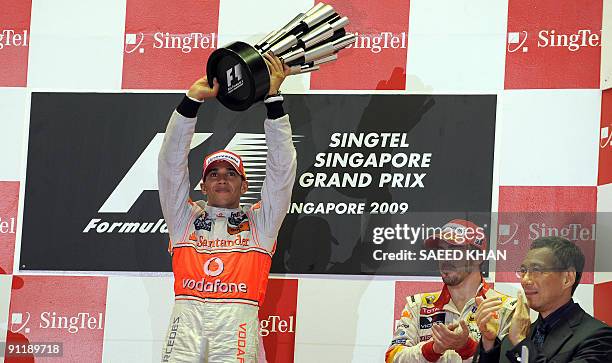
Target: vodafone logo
[
  {"x": 552, "y": 38},
  {"x": 186, "y": 43},
  {"x": 213, "y": 267}
]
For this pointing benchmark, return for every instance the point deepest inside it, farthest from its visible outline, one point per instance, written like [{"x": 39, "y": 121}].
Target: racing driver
[
  {"x": 221, "y": 252},
  {"x": 441, "y": 326}
]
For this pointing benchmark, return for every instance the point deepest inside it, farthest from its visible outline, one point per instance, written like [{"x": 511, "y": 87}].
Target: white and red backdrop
[{"x": 511, "y": 98}]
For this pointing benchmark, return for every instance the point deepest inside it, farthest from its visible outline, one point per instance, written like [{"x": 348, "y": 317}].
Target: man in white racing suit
[
  {"x": 441, "y": 326},
  {"x": 221, "y": 252}
]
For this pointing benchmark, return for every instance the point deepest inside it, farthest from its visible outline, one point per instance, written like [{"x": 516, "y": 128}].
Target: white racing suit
[
  {"x": 220, "y": 257},
  {"x": 412, "y": 340}
]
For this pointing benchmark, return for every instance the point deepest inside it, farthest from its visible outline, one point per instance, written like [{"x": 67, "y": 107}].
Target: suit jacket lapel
[
  {"x": 562, "y": 332},
  {"x": 556, "y": 338}
]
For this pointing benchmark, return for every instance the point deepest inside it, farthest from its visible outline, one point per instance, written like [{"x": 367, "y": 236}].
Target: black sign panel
[{"x": 364, "y": 162}]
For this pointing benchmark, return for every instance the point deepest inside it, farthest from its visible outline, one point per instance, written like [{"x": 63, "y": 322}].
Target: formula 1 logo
[
  {"x": 234, "y": 78},
  {"x": 143, "y": 174},
  {"x": 217, "y": 267}
]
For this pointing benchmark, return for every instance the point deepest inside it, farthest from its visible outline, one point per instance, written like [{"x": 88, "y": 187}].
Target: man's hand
[
  {"x": 278, "y": 72},
  {"x": 520, "y": 323},
  {"x": 487, "y": 320},
  {"x": 201, "y": 90},
  {"x": 452, "y": 337}
]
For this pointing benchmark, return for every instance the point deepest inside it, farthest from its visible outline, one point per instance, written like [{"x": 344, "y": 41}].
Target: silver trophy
[{"x": 308, "y": 41}]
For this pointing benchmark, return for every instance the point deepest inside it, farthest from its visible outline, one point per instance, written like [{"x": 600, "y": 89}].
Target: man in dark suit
[{"x": 563, "y": 331}]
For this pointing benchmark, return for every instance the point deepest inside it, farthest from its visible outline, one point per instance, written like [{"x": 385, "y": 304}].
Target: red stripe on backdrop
[
  {"x": 378, "y": 58},
  {"x": 167, "y": 43},
  {"x": 9, "y": 202},
  {"x": 605, "y": 139},
  {"x": 70, "y": 310},
  {"x": 530, "y": 212},
  {"x": 14, "y": 42}
]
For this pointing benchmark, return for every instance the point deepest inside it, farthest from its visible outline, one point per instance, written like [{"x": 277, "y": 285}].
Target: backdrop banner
[{"x": 372, "y": 169}]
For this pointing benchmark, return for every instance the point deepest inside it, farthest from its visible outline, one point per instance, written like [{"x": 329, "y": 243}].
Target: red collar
[
  {"x": 443, "y": 299},
  {"x": 484, "y": 287}
]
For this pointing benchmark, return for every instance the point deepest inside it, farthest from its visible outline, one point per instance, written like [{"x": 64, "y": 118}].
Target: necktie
[{"x": 539, "y": 336}]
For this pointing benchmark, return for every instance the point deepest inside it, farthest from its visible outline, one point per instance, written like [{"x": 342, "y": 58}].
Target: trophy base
[{"x": 242, "y": 74}]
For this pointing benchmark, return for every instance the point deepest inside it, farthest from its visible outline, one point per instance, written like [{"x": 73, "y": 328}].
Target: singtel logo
[
  {"x": 517, "y": 41},
  {"x": 376, "y": 43},
  {"x": 165, "y": 40},
  {"x": 52, "y": 320},
  {"x": 508, "y": 233},
  {"x": 573, "y": 231},
  {"x": 11, "y": 38},
  {"x": 605, "y": 136},
  {"x": 276, "y": 324},
  {"x": 7, "y": 226}
]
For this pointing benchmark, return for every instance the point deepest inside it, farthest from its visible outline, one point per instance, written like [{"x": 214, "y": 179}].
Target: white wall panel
[
  {"x": 13, "y": 102},
  {"x": 549, "y": 137},
  {"x": 76, "y": 44},
  {"x": 456, "y": 46},
  {"x": 343, "y": 320},
  {"x": 137, "y": 315}
]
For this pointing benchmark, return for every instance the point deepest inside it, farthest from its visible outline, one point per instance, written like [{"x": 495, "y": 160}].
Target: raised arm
[
  {"x": 172, "y": 169},
  {"x": 281, "y": 161}
]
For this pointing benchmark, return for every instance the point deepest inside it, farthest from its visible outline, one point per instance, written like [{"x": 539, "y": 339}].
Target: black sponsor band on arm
[
  {"x": 274, "y": 105},
  {"x": 188, "y": 107}
]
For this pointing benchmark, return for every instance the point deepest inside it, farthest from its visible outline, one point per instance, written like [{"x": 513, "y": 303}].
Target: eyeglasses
[{"x": 535, "y": 271}]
